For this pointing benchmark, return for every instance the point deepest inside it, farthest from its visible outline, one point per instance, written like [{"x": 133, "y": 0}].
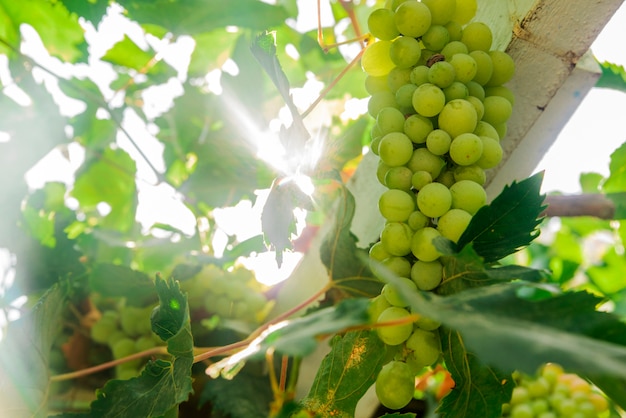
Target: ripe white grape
[
  {"x": 422, "y": 246},
  {"x": 428, "y": 100},
  {"x": 468, "y": 195},
  {"x": 396, "y": 205},
  {"x": 466, "y": 148},
  {"x": 434, "y": 199},
  {"x": 376, "y": 60}
]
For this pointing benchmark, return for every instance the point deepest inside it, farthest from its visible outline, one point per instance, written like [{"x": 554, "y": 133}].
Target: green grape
[
  {"x": 378, "y": 253},
  {"x": 434, "y": 199},
  {"x": 438, "y": 142},
  {"x": 497, "y": 110},
  {"x": 395, "y": 385},
  {"x": 102, "y": 330},
  {"x": 426, "y": 58},
  {"x": 420, "y": 179},
  {"x": 374, "y": 147},
  {"x": 397, "y": 78},
  {"x": 376, "y": 84},
  {"x": 405, "y": 52},
  {"x": 399, "y": 266},
  {"x": 492, "y": 153},
  {"x": 376, "y": 306},
  {"x": 375, "y": 131},
  {"x": 412, "y": 19},
  {"x": 419, "y": 75},
  {"x": 476, "y": 90},
  {"x": 394, "y": 334},
  {"x": 395, "y": 149},
  {"x": 465, "y": 67},
  {"x": 427, "y": 275},
  {"x": 503, "y": 68},
  {"x": 455, "y": 30},
  {"x": 123, "y": 348},
  {"x": 144, "y": 343},
  {"x": 395, "y": 292},
  {"x": 379, "y": 101},
  {"x": 538, "y": 388},
  {"x": 425, "y": 345},
  {"x": 396, "y": 205},
  {"x": 422, "y": 246},
  {"x": 456, "y": 90},
  {"x": 458, "y": 117},
  {"x": 452, "y": 48},
  {"x": 376, "y": 60},
  {"x": 485, "y": 129},
  {"x": 468, "y": 195},
  {"x": 427, "y": 324},
  {"x": 519, "y": 395},
  {"x": 417, "y": 128},
  {"x": 465, "y": 10},
  {"x": 436, "y": 37},
  {"x": 395, "y": 3},
  {"x": 399, "y": 178},
  {"x": 501, "y": 129},
  {"x": 424, "y": 160},
  {"x": 417, "y": 220},
  {"x": 522, "y": 411},
  {"x": 453, "y": 223},
  {"x": 428, "y": 100},
  {"x": 477, "y": 36},
  {"x": 470, "y": 172},
  {"x": 502, "y": 91},
  {"x": 389, "y": 119},
  {"x": 441, "y": 74},
  {"x": 484, "y": 66},
  {"x": 478, "y": 106},
  {"x": 130, "y": 317},
  {"x": 381, "y": 25},
  {"x": 466, "y": 148},
  {"x": 540, "y": 406},
  {"x": 446, "y": 178},
  {"x": 441, "y": 10},
  {"x": 404, "y": 97},
  {"x": 396, "y": 237},
  {"x": 381, "y": 171},
  {"x": 116, "y": 336},
  {"x": 126, "y": 371}
]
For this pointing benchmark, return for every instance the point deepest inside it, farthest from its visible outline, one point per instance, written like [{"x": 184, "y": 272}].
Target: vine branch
[{"x": 586, "y": 204}]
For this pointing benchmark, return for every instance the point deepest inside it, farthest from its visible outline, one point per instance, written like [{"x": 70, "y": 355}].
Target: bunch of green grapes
[
  {"x": 554, "y": 394},
  {"x": 441, "y": 110},
  {"x": 234, "y": 294},
  {"x": 126, "y": 331}
]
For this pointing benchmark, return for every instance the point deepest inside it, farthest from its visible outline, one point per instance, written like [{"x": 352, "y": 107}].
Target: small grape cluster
[
  {"x": 126, "y": 331},
  {"x": 441, "y": 109},
  {"x": 554, "y": 394},
  {"x": 234, "y": 294}
]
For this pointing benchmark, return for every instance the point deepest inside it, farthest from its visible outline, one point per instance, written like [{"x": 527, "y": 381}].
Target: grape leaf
[
  {"x": 92, "y": 10},
  {"x": 616, "y": 182},
  {"x": 613, "y": 76},
  {"x": 24, "y": 354},
  {"x": 127, "y": 54},
  {"x": 346, "y": 263},
  {"x": 619, "y": 201},
  {"x": 479, "y": 390},
  {"x": 162, "y": 384},
  {"x": 467, "y": 269},
  {"x": 508, "y": 223},
  {"x": 345, "y": 374},
  {"x": 111, "y": 280}
]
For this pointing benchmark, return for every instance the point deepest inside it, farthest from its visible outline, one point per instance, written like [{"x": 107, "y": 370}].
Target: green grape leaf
[
  {"x": 162, "y": 384},
  {"x": 59, "y": 31},
  {"x": 111, "y": 280},
  {"x": 467, "y": 269},
  {"x": 479, "y": 390},
  {"x": 619, "y": 201},
  {"x": 248, "y": 395},
  {"x": 616, "y": 182},
  {"x": 127, "y": 54},
  {"x": 608, "y": 275},
  {"x": 212, "y": 50},
  {"x": 296, "y": 337},
  {"x": 109, "y": 178},
  {"x": 345, "y": 374},
  {"x": 508, "y": 223},
  {"x": 92, "y": 10},
  {"x": 613, "y": 76},
  {"x": 40, "y": 225},
  {"x": 188, "y": 17},
  {"x": 346, "y": 263},
  {"x": 24, "y": 356}
]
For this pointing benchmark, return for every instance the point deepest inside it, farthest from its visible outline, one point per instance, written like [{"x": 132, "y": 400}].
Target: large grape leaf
[
  {"x": 508, "y": 223},
  {"x": 127, "y": 54},
  {"x": 92, "y": 10},
  {"x": 616, "y": 182},
  {"x": 58, "y": 29},
  {"x": 613, "y": 76},
  {"x": 195, "y": 16},
  {"x": 162, "y": 384},
  {"x": 345, "y": 374},
  {"x": 24, "y": 353},
  {"x": 479, "y": 390}
]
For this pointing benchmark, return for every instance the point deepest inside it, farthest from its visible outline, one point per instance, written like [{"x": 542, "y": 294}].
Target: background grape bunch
[{"x": 441, "y": 110}]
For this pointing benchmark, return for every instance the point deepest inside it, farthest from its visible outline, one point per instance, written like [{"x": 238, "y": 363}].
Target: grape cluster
[
  {"x": 554, "y": 394},
  {"x": 234, "y": 294},
  {"x": 126, "y": 331},
  {"x": 441, "y": 109}
]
